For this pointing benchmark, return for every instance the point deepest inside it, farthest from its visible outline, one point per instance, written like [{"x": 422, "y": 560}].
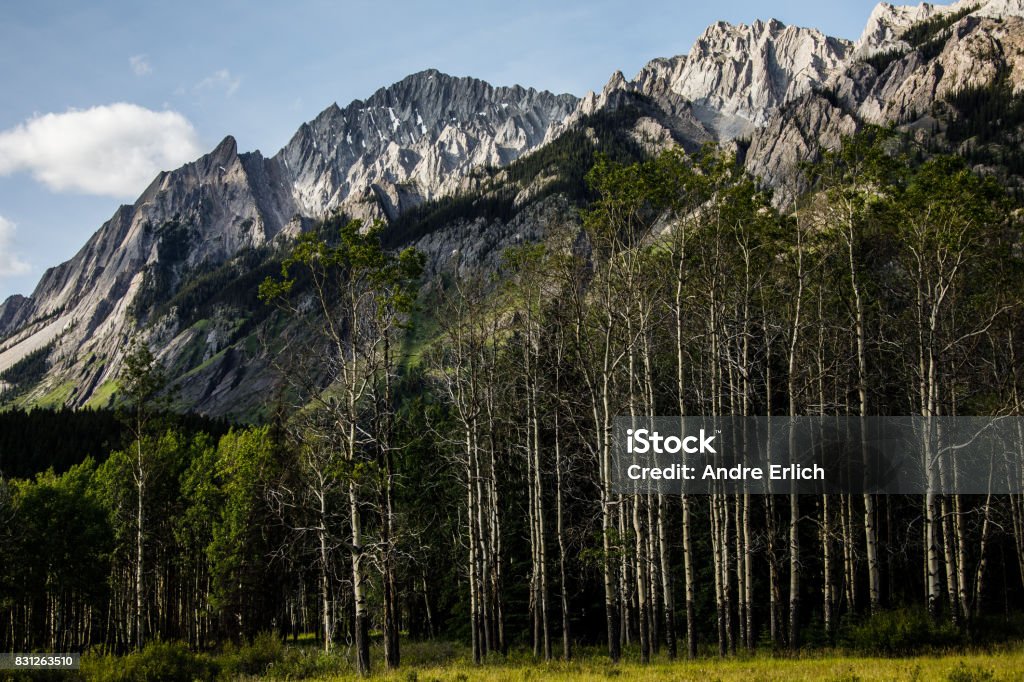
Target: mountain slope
[
  {"x": 462, "y": 169},
  {"x": 412, "y": 141}
]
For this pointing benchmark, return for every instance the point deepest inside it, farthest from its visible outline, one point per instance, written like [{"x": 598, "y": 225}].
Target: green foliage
[
  {"x": 25, "y": 373},
  {"x": 569, "y": 158},
  {"x": 435, "y": 214},
  {"x": 679, "y": 232},
  {"x": 142, "y": 377},
  {"x": 61, "y": 537},
  {"x": 35, "y": 440},
  {"x": 900, "y": 632},
  {"x": 231, "y": 285},
  {"x": 228, "y": 491},
  {"x": 157, "y": 662},
  {"x": 256, "y": 657},
  {"x": 166, "y": 456},
  {"x": 929, "y": 29},
  {"x": 933, "y": 48},
  {"x": 880, "y": 61},
  {"x": 988, "y": 125},
  {"x": 354, "y": 253},
  {"x": 363, "y": 292}
]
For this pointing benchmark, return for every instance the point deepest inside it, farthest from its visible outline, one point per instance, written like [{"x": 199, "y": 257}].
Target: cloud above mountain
[
  {"x": 10, "y": 264},
  {"x": 221, "y": 80},
  {"x": 140, "y": 65},
  {"x": 110, "y": 150}
]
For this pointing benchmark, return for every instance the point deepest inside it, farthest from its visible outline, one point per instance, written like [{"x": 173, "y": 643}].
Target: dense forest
[{"x": 456, "y": 485}]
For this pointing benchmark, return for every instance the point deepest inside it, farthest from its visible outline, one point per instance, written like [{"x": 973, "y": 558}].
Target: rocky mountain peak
[
  {"x": 734, "y": 77},
  {"x": 412, "y": 141},
  {"x": 887, "y": 22}
]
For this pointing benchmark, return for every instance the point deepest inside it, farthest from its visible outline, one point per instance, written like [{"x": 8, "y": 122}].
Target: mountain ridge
[{"x": 778, "y": 93}]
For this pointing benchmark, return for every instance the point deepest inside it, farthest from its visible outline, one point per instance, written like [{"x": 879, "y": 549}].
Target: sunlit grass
[{"x": 443, "y": 662}]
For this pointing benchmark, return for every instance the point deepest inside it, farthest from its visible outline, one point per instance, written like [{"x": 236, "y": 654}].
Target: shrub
[
  {"x": 255, "y": 657},
  {"x": 157, "y": 662},
  {"x": 900, "y": 632},
  {"x": 304, "y": 662}
]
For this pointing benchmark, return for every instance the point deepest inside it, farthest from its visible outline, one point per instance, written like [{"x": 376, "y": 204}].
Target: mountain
[
  {"x": 941, "y": 74},
  {"x": 461, "y": 169},
  {"x": 779, "y": 93},
  {"x": 413, "y": 141},
  {"x": 407, "y": 143}
]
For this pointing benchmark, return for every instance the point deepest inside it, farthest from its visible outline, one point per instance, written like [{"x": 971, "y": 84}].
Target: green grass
[
  {"x": 103, "y": 395},
  {"x": 55, "y": 397},
  {"x": 956, "y": 667},
  {"x": 439, "y": 661},
  {"x": 425, "y": 331}
]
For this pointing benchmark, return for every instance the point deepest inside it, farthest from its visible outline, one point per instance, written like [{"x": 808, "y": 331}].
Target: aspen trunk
[
  {"x": 560, "y": 531},
  {"x": 362, "y": 620}
]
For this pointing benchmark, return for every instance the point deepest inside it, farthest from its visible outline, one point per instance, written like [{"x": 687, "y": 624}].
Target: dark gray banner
[{"x": 818, "y": 455}]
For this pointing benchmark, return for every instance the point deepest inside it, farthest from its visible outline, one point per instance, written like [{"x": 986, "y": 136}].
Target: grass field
[
  {"x": 958, "y": 668},
  {"x": 450, "y": 662},
  {"x": 1007, "y": 664}
]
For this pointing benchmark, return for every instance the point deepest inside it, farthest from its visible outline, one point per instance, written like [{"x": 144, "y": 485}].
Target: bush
[
  {"x": 255, "y": 657},
  {"x": 900, "y": 632},
  {"x": 157, "y": 662},
  {"x": 303, "y": 662}
]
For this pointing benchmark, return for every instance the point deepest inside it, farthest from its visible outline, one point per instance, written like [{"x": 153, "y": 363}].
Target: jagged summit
[
  {"x": 732, "y": 79},
  {"x": 888, "y": 22},
  {"x": 413, "y": 140},
  {"x": 736, "y": 75}
]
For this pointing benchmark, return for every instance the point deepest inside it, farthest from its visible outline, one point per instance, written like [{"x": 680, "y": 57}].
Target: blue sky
[{"x": 99, "y": 95}]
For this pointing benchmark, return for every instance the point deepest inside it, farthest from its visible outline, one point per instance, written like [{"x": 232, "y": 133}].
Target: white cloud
[
  {"x": 10, "y": 264},
  {"x": 221, "y": 79},
  {"x": 140, "y": 65},
  {"x": 113, "y": 150}
]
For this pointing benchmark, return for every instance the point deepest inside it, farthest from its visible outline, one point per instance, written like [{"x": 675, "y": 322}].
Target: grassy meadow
[{"x": 450, "y": 662}]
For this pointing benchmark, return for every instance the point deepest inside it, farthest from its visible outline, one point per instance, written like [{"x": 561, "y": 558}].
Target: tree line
[{"x": 461, "y": 488}]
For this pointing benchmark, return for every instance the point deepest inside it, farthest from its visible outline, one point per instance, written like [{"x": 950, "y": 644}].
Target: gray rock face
[
  {"x": 741, "y": 74},
  {"x": 769, "y": 83},
  {"x": 977, "y": 51},
  {"x": 83, "y": 306},
  {"x": 974, "y": 51},
  {"x": 413, "y": 141},
  {"x": 734, "y": 77},
  {"x": 668, "y": 119},
  {"x": 795, "y": 135},
  {"x": 10, "y": 313},
  {"x": 888, "y": 22}
]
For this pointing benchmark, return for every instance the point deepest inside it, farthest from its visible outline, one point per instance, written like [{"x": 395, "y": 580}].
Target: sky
[{"x": 97, "y": 97}]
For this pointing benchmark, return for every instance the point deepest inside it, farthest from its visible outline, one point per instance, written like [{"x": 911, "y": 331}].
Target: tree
[
  {"x": 240, "y": 548},
  {"x": 142, "y": 379},
  {"x": 340, "y": 364}
]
